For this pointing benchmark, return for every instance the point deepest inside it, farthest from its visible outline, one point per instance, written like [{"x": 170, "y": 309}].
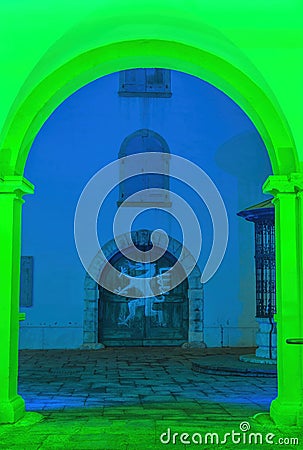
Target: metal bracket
[{"x": 294, "y": 341}]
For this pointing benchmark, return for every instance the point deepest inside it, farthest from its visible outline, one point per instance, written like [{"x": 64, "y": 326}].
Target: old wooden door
[{"x": 150, "y": 321}]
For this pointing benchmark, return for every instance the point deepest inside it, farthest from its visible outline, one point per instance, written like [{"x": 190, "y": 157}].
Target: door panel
[{"x": 144, "y": 321}]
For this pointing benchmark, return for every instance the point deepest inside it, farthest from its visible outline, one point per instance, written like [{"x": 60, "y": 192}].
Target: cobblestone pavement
[
  {"x": 125, "y": 398},
  {"x": 60, "y": 380}
]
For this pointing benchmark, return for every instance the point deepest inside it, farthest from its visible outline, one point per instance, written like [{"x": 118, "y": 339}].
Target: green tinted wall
[{"x": 250, "y": 50}]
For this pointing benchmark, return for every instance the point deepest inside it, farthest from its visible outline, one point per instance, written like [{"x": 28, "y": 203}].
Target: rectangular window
[
  {"x": 26, "y": 281},
  {"x": 145, "y": 83}
]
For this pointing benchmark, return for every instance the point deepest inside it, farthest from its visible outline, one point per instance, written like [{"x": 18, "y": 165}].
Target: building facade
[{"x": 121, "y": 114}]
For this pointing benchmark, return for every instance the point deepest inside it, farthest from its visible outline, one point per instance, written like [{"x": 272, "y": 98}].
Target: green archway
[
  {"x": 29, "y": 114},
  {"x": 84, "y": 41},
  {"x": 97, "y": 40}
]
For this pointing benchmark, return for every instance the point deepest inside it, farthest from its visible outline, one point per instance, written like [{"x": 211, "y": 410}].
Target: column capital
[
  {"x": 283, "y": 184},
  {"x": 15, "y": 184}
]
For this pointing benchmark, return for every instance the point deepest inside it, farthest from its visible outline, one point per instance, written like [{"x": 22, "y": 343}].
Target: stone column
[
  {"x": 287, "y": 408},
  {"x": 12, "y": 188},
  {"x": 90, "y": 322},
  {"x": 195, "y": 311},
  {"x": 195, "y": 331}
]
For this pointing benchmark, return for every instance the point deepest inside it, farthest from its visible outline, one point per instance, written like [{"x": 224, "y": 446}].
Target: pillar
[
  {"x": 12, "y": 188},
  {"x": 90, "y": 322},
  {"x": 196, "y": 311},
  {"x": 287, "y": 408}
]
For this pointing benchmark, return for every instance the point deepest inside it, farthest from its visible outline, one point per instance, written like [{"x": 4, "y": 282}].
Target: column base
[
  {"x": 267, "y": 348},
  {"x": 11, "y": 411},
  {"x": 92, "y": 346},
  {"x": 264, "y": 419},
  {"x": 287, "y": 414},
  {"x": 193, "y": 344}
]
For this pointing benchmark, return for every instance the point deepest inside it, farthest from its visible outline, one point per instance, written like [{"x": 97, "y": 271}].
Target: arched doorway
[
  {"x": 177, "y": 320},
  {"x": 205, "y": 53}
]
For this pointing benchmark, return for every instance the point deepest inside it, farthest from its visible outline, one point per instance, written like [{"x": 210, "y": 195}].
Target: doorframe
[{"x": 195, "y": 295}]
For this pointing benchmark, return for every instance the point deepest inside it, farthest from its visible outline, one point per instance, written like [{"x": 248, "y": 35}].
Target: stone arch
[
  {"x": 152, "y": 135},
  {"x": 91, "y": 294},
  {"x": 139, "y": 40},
  {"x": 98, "y": 38}
]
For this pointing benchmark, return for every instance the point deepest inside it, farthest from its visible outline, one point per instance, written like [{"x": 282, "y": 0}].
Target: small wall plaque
[{"x": 26, "y": 281}]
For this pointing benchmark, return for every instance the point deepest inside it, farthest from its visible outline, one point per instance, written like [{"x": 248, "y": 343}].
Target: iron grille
[{"x": 265, "y": 268}]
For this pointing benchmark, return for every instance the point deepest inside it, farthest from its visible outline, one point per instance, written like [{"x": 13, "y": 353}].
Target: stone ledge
[
  {"x": 257, "y": 359},
  {"x": 90, "y": 346},
  {"x": 232, "y": 366}
]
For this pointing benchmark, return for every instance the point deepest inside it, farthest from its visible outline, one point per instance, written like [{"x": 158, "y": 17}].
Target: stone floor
[
  {"x": 134, "y": 376},
  {"x": 127, "y": 397}
]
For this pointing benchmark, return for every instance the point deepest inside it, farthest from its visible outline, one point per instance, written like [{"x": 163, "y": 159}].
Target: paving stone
[{"x": 127, "y": 395}]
